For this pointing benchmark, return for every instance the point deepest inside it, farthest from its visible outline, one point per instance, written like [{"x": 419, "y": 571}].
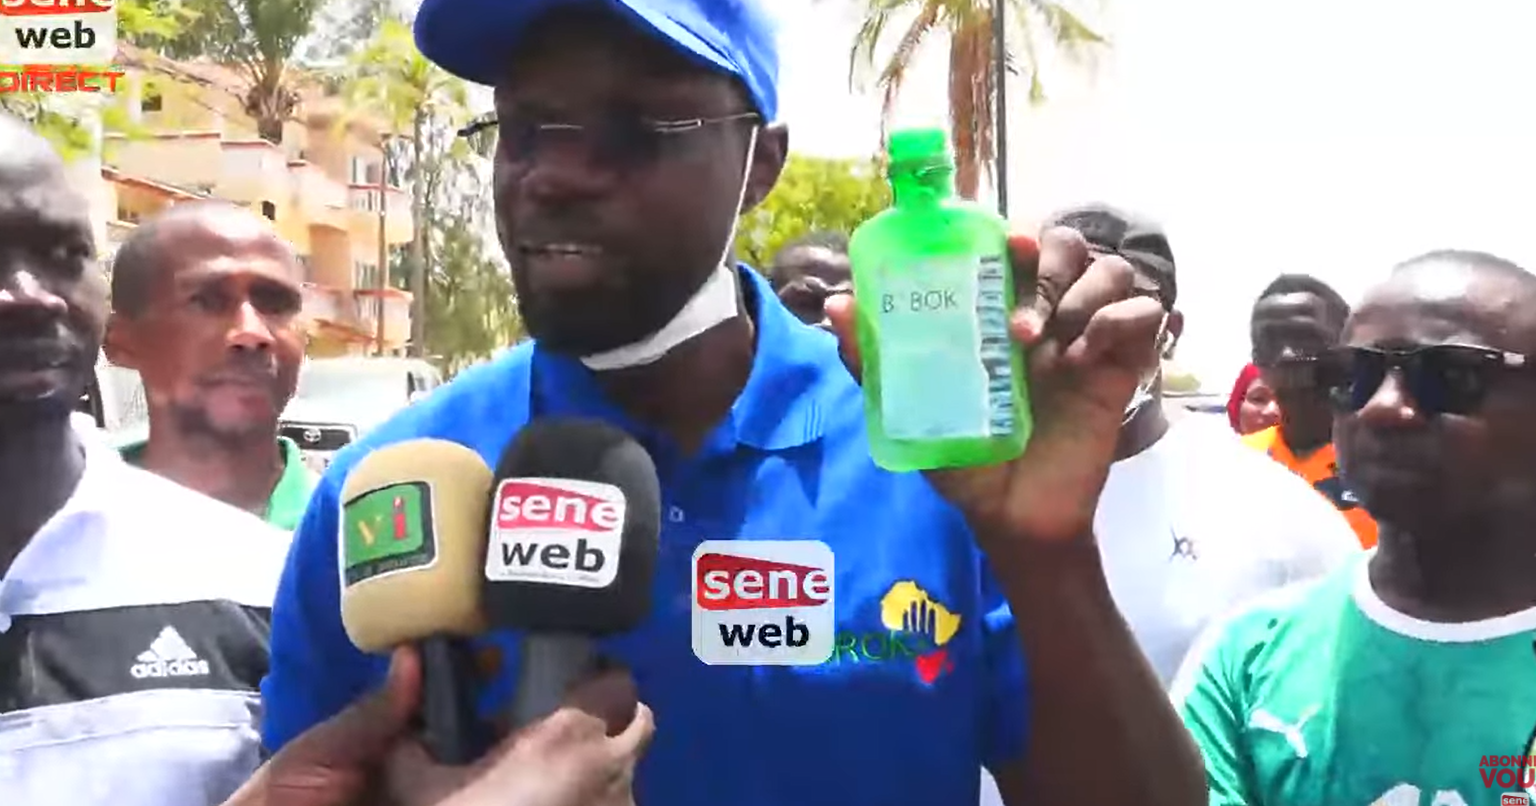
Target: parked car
[
  {"x": 114, "y": 401},
  {"x": 340, "y": 399}
]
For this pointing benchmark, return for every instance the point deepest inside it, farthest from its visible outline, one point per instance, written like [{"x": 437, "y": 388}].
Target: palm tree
[
  {"x": 389, "y": 80},
  {"x": 972, "y": 90},
  {"x": 259, "y": 39}
]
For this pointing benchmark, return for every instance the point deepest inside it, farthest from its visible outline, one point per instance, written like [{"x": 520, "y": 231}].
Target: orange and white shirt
[{"x": 1320, "y": 468}]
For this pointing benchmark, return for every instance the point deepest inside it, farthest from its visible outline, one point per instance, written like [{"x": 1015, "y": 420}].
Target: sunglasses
[
  {"x": 1442, "y": 378},
  {"x": 615, "y": 141}
]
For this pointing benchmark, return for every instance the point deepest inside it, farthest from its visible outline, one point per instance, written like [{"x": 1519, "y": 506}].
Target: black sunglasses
[
  {"x": 1441, "y": 378},
  {"x": 616, "y": 141}
]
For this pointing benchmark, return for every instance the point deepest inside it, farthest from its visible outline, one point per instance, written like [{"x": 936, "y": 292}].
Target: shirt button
[{"x": 676, "y": 515}]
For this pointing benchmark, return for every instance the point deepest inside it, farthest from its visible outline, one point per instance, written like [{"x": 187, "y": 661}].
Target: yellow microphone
[{"x": 412, "y": 550}]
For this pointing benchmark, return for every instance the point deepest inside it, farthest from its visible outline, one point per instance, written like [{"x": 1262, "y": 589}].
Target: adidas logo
[{"x": 168, "y": 656}]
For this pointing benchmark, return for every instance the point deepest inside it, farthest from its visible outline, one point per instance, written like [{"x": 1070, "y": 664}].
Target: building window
[
  {"x": 364, "y": 171},
  {"x": 269, "y": 210},
  {"x": 364, "y": 275}
]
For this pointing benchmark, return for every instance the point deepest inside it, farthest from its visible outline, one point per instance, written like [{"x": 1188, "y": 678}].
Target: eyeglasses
[
  {"x": 1442, "y": 378},
  {"x": 616, "y": 141}
]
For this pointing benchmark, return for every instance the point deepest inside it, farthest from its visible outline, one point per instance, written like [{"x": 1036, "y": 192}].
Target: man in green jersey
[
  {"x": 1389, "y": 684},
  {"x": 206, "y": 305}
]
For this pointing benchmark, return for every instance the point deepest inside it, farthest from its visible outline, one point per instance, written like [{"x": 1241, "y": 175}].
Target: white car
[
  {"x": 340, "y": 399},
  {"x": 114, "y": 403}
]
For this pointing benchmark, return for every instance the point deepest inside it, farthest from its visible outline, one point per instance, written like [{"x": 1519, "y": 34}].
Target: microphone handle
[
  {"x": 549, "y": 664},
  {"x": 450, "y": 726}
]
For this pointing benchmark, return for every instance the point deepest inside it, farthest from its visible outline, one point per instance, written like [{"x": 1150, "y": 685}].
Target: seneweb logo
[
  {"x": 58, "y": 31},
  {"x": 763, "y": 602},
  {"x": 52, "y": 78},
  {"x": 556, "y": 532},
  {"x": 1514, "y": 799}
]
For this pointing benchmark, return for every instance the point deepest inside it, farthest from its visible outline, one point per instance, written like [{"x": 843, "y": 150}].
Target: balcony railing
[
  {"x": 254, "y": 170},
  {"x": 364, "y": 201},
  {"x": 119, "y": 231},
  {"x": 323, "y": 199},
  {"x": 322, "y": 303},
  {"x": 396, "y": 309},
  {"x": 188, "y": 160}
]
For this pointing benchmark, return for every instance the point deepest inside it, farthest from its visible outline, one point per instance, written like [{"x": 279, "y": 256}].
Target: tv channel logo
[
  {"x": 1514, "y": 799},
  {"x": 763, "y": 602},
  {"x": 58, "y": 32},
  {"x": 556, "y": 532}
]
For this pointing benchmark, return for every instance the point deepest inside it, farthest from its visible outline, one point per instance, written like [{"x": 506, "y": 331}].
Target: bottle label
[{"x": 946, "y": 368}]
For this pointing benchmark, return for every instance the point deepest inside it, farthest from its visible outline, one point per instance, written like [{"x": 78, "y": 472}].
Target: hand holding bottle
[{"x": 1088, "y": 339}]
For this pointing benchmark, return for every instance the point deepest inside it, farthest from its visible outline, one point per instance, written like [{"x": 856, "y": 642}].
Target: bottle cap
[{"x": 923, "y": 147}]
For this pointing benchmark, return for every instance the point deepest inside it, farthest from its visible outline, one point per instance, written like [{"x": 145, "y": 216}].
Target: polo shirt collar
[
  {"x": 290, "y": 496},
  {"x": 781, "y": 406}
]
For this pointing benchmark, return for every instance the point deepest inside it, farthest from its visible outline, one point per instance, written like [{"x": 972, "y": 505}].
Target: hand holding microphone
[
  {"x": 584, "y": 754},
  {"x": 568, "y": 759}
]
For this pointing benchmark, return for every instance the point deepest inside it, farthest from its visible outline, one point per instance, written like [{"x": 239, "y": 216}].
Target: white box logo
[
  {"x": 763, "y": 602},
  {"x": 58, "y": 32},
  {"x": 555, "y": 532}
]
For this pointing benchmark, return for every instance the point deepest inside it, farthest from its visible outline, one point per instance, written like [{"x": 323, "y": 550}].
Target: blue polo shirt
[{"x": 895, "y": 717}]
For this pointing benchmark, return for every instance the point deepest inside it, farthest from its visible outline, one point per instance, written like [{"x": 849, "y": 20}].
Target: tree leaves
[
  {"x": 968, "y": 26},
  {"x": 813, "y": 194}
]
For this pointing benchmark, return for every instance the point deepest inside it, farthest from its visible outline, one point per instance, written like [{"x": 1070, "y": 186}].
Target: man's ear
[
  {"x": 118, "y": 343},
  {"x": 1175, "y": 332},
  {"x": 767, "y": 163}
]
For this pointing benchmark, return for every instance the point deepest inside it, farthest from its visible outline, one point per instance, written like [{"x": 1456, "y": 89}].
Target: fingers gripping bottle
[{"x": 944, "y": 385}]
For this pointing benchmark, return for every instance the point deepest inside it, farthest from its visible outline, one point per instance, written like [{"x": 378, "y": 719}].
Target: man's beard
[
  {"x": 195, "y": 421},
  {"x": 591, "y": 321}
]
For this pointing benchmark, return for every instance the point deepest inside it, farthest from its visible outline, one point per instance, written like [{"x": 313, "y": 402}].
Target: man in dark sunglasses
[
  {"x": 631, "y": 136},
  {"x": 1296, "y": 322},
  {"x": 810, "y": 269},
  {"x": 1396, "y": 679}
]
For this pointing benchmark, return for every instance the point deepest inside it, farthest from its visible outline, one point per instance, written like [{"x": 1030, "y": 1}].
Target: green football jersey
[{"x": 1321, "y": 695}]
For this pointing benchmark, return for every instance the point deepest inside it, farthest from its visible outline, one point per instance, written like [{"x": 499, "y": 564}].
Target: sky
[{"x": 1331, "y": 138}]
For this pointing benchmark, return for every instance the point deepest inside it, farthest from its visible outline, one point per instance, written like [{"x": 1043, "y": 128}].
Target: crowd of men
[{"x": 1329, "y": 599}]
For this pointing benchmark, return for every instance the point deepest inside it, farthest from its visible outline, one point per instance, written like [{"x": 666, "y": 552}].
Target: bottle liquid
[{"x": 944, "y": 384}]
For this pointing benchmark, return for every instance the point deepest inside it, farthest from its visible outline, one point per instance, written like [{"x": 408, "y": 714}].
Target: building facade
[{"x": 188, "y": 137}]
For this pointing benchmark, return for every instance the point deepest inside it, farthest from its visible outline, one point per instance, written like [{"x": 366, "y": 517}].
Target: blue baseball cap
[{"x": 473, "y": 39}]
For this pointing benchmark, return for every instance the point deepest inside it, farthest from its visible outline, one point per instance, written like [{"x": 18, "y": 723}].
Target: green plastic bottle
[{"x": 944, "y": 384}]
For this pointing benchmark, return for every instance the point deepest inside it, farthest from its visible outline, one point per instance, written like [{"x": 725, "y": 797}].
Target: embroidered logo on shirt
[
  {"x": 168, "y": 656},
  {"x": 1264, "y": 720},
  {"x": 1182, "y": 547},
  {"x": 916, "y": 629},
  {"x": 1334, "y": 489}
]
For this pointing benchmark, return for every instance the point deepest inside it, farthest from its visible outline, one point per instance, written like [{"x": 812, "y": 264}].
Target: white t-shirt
[
  {"x": 1196, "y": 525},
  {"x": 142, "y": 609}
]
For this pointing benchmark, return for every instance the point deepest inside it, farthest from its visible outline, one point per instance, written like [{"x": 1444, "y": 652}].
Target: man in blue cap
[{"x": 632, "y": 134}]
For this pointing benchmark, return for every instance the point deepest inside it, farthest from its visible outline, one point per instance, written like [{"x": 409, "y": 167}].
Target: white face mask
[
  {"x": 713, "y": 303},
  {"x": 1143, "y": 394}
]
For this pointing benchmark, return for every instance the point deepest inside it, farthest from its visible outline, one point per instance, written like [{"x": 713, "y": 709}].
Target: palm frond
[
  {"x": 861, "y": 57},
  {"x": 893, "y": 76}
]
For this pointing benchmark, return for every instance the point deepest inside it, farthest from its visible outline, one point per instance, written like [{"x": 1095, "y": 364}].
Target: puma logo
[{"x": 1264, "y": 720}]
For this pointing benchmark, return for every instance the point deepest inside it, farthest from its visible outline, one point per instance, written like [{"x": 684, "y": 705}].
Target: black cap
[{"x": 1140, "y": 241}]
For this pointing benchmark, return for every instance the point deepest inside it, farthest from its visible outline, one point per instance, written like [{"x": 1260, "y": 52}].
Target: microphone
[
  {"x": 571, "y": 553},
  {"x": 412, "y": 531}
]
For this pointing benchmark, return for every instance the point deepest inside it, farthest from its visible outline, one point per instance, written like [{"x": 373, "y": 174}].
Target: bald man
[{"x": 205, "y": 305}]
